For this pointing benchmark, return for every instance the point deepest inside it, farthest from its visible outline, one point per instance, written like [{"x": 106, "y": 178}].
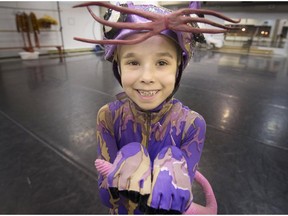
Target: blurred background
[{"x": 52, "y": 86}]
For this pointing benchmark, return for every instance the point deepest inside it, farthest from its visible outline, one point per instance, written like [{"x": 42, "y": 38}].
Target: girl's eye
[
  {"x": 162, "y": 63},
  {"x": 133, "y": 63}
]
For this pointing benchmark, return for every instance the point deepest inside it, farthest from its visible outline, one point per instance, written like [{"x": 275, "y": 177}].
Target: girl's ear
[
  {"x": 179, "y": 62},
  {"x": 179, "y": 59},
  {"x": 115, "y": 56},
  {"x": 117, "y": 72},
  {"x": 179, "y": 55}
]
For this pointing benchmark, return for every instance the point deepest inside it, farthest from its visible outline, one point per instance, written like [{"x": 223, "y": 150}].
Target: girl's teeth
[{"x": 147, "y": 93}]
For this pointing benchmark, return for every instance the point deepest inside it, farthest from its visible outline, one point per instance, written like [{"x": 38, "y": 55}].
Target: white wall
[
  {"x": 9, "y": 37},
  {"x": 77, "y": 22}
]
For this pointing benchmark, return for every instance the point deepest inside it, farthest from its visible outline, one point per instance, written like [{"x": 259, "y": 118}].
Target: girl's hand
[
  {"x": 130, "y": 173},
  {"x": 171, "y": 186},
  {"x": 104, "y": 167}
]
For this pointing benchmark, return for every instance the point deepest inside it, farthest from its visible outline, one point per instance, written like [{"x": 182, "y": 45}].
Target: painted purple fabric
[
  {"x": 130, "y": 173},
  {"x": 171, "y": 124},
  {"x": 171, "y": 186}
]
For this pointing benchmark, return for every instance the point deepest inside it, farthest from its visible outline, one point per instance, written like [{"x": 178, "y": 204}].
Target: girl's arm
[
  {"x": 106, "y": 150},
  {"x": 130, "y": 176},
  {"x": 193, "y": 142},
  {"x": 192, "y": 149},
  {"x": 174, "y": 169}
]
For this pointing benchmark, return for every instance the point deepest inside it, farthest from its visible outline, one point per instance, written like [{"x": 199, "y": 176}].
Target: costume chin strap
[
  {"x": 117, "y": 71},
  {"x": 176, "y": 21}
]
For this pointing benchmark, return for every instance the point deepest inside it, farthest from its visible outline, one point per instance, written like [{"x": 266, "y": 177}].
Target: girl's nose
[{"x": 147, "y": 75}]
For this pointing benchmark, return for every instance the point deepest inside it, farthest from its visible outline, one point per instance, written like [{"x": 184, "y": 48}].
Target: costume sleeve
[
  {"x": 107, "y": 150},
  {"x": 193, "y": 141},
  {"x": 174, "y": 168}
]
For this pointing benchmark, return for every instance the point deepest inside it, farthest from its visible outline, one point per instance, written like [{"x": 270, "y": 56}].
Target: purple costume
[
  {"x": 153, "y": 155},
  {"x": 171, "y": 124}
]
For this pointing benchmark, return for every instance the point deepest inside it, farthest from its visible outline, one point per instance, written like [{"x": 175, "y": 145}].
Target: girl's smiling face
[{"x": 148, "y": 70}]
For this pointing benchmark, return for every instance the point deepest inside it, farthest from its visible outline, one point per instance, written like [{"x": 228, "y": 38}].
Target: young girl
[{"x": 152, "y": 140}]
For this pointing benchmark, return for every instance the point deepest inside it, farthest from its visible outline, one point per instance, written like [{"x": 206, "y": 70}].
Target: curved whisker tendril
[{"x": 179, "y": 20}]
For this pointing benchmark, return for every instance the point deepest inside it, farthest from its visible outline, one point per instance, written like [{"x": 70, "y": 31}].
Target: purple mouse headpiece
[{"x": 152, "y": 20}]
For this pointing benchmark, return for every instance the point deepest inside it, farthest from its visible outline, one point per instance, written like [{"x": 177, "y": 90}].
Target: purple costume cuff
[
  {"x": 131, "y": 170},
  {"x": 171, "y": 186}
]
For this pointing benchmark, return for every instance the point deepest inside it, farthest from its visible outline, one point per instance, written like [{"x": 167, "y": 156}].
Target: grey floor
[{"x": 47, "y": 131}]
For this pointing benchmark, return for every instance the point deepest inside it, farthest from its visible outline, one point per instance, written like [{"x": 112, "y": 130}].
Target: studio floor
[{"x": 48, "y": 144}]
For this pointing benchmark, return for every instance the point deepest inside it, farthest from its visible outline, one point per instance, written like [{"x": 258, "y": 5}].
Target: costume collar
[{"x": 155, "y": 113}]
